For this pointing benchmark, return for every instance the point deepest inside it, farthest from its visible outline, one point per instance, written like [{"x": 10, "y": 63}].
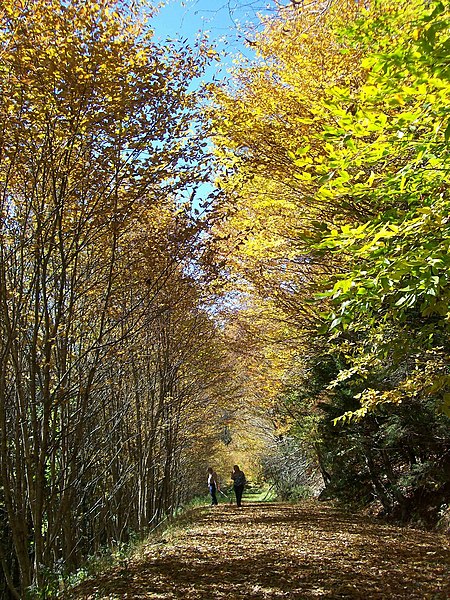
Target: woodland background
[{"x": 251, "y": 271}]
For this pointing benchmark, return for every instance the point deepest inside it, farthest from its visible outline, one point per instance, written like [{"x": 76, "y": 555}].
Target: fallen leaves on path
[{"x": 304, "y": 551}]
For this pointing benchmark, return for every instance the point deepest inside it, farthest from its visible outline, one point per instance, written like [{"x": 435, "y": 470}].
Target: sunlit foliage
[{"x": 334, "y": 209}]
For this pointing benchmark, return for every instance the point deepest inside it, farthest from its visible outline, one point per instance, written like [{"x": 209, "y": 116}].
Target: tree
[
  {"x": 94, "y": 143},
  {"x": 265, "y": 128},
  {"x": 334, "y": 150},
  {"x": 265, "y": 133},
  {"x": 391, "y": 306}
]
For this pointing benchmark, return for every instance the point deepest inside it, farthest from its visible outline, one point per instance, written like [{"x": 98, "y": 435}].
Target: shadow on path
[{"x": 283, "y": 551}]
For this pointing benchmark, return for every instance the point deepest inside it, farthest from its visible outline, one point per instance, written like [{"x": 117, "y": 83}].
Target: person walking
[
  {"x": 239, "y": 482},
  {"x": 213, "y": 485}
]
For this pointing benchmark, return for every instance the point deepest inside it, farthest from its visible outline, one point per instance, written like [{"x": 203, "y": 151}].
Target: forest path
[{"x": 273, "y": 550}]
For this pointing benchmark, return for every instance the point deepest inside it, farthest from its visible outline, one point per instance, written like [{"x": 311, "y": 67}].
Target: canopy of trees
[{"x": 304, "y": 318}]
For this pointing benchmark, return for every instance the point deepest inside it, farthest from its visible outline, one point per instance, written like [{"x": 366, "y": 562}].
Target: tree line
[
  {"x": 332, "y": 149},
  {"x": 110, "y": 362}
]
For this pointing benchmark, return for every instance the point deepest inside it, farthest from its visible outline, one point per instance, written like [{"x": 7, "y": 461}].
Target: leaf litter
[{"x": 273, "y": 550}]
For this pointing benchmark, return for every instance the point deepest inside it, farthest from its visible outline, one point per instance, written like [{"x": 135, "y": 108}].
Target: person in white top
[{"x": 213, "y": 485}]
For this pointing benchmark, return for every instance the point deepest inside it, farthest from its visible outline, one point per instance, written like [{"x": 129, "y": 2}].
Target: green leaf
[
  {"x": 445, "y": 407},
  {"x": 447, "y": 132},
  {"x": 335, "y": 323},
  {"x": 439, "y": 9},
  {"x": 343, "y": 284}
]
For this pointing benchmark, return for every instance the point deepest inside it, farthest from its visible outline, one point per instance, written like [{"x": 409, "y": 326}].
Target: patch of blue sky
[{"x": 227, "y": 24}]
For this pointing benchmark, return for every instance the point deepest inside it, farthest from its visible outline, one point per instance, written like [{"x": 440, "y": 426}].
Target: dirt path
[{"x": 262, "y": 551}]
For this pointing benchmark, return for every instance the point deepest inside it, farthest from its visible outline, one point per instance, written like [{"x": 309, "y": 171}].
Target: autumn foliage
[
  {"x": 332, "y": 152},
  {"x": 297, "y": 318},
  {"x": 104, "y": 384}
]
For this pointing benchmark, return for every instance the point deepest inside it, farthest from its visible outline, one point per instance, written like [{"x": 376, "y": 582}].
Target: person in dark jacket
[{"x": 239, "y": 482}]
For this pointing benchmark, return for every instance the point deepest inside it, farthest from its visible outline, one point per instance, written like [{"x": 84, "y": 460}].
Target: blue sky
[
  {"x": 225, "y": 21},
  {"x": 222, "y": 19},
  {"x": 185, "y": 18}
]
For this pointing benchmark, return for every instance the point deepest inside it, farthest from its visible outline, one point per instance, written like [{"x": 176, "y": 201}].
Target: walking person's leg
[
  {"x": 238, "y": 490},
  {"x": 212, "y": 491}
]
